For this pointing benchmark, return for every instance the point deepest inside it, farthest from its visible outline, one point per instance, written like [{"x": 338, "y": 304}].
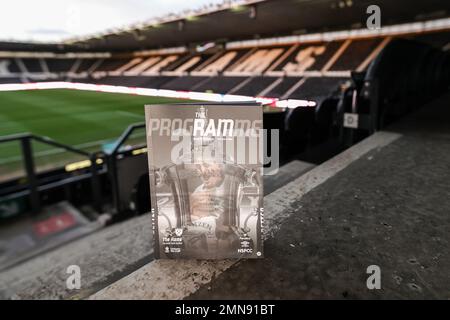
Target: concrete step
[{"x": 285, "y": 174}]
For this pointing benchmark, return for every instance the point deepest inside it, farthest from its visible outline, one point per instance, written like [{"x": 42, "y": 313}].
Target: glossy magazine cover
[{"x": 206, "y": 188}]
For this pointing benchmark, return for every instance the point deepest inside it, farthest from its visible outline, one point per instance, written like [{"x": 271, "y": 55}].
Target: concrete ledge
[
  {"x": 290, "y": 171},
  {"x": 103, "y": 257},
  {"x": 177, "y": 279}
]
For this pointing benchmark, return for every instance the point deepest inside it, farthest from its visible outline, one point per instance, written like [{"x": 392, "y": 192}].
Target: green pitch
[{"x": 84, "y": 119}]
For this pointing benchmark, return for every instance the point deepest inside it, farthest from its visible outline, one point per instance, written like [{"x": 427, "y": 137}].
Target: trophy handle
[
  {"x": 245, "y": 228},
  {"x": 252, "y": 183},
  {"x": 168, "y": 220},
  {"x": 159, "y": 177}
]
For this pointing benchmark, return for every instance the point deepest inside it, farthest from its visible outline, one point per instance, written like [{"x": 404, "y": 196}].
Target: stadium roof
[{"x": 255, "y": 19}]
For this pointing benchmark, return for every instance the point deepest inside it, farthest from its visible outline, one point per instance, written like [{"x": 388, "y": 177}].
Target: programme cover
[{"x": 206, "y": 185}]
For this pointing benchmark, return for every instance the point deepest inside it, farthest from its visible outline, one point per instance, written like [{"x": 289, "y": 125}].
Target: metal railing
[
  {"x": 113, "y": 156},
  {"x": 32, "y": 180}
]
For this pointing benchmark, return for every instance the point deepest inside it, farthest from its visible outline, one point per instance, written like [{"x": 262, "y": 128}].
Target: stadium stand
[
  {"x": 254, "y": 86},
  {"x": 220, "y": 84},
  {"x": 59, "y": 65},
  {"x": 183, "y": 83},
  {"x": 140, "y": 81},
  {"x": 282, "y": 86},
  {"x": 8, "y": 67},
  {"x": 317, "y": 88},
  {"x": 299, "y": 70},
  {"x": 308, "y": 57},
  {"x": 10, "y": 80},
  {"x": 110, "y": 64},
  {"x": 29, "y": 65},
  {"x": 85, "y": 65},
  {"x": 220, "y": 62},
  {"x": 354, "y": 54},
  {"x": 436, "y": 39}
]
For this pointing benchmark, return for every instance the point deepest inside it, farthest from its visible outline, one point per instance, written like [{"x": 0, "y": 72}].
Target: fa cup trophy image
[{"x": 205, "y": 204}]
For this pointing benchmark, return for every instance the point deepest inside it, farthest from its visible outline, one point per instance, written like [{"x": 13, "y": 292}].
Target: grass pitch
[{"x": 84, "y": 119}]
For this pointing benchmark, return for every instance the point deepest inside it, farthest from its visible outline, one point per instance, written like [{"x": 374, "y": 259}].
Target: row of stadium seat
[
  {"x": 404, "y": 76},
  {"x": 313, "y": 88},
  {"x": 288, "y": 59},
  {"x": 299, "y": 71},
  {"x": 407, "y": 81}
]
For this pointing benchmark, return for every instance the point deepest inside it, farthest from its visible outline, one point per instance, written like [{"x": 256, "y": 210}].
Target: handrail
[
  {"x": 124, "y": 136},
  {"x": 16, "y": 136},
  {"x": 30, "y": 169},
  {"x": 54, "y": 143}
]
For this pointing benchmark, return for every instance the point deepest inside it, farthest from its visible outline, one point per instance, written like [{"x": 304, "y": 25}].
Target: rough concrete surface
[
  {"x": 285, "y": 174},
  {"x": 103, "y": 257},
  {"x": 176, "y": 279},
  {"x": 390, "y": 208}
]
